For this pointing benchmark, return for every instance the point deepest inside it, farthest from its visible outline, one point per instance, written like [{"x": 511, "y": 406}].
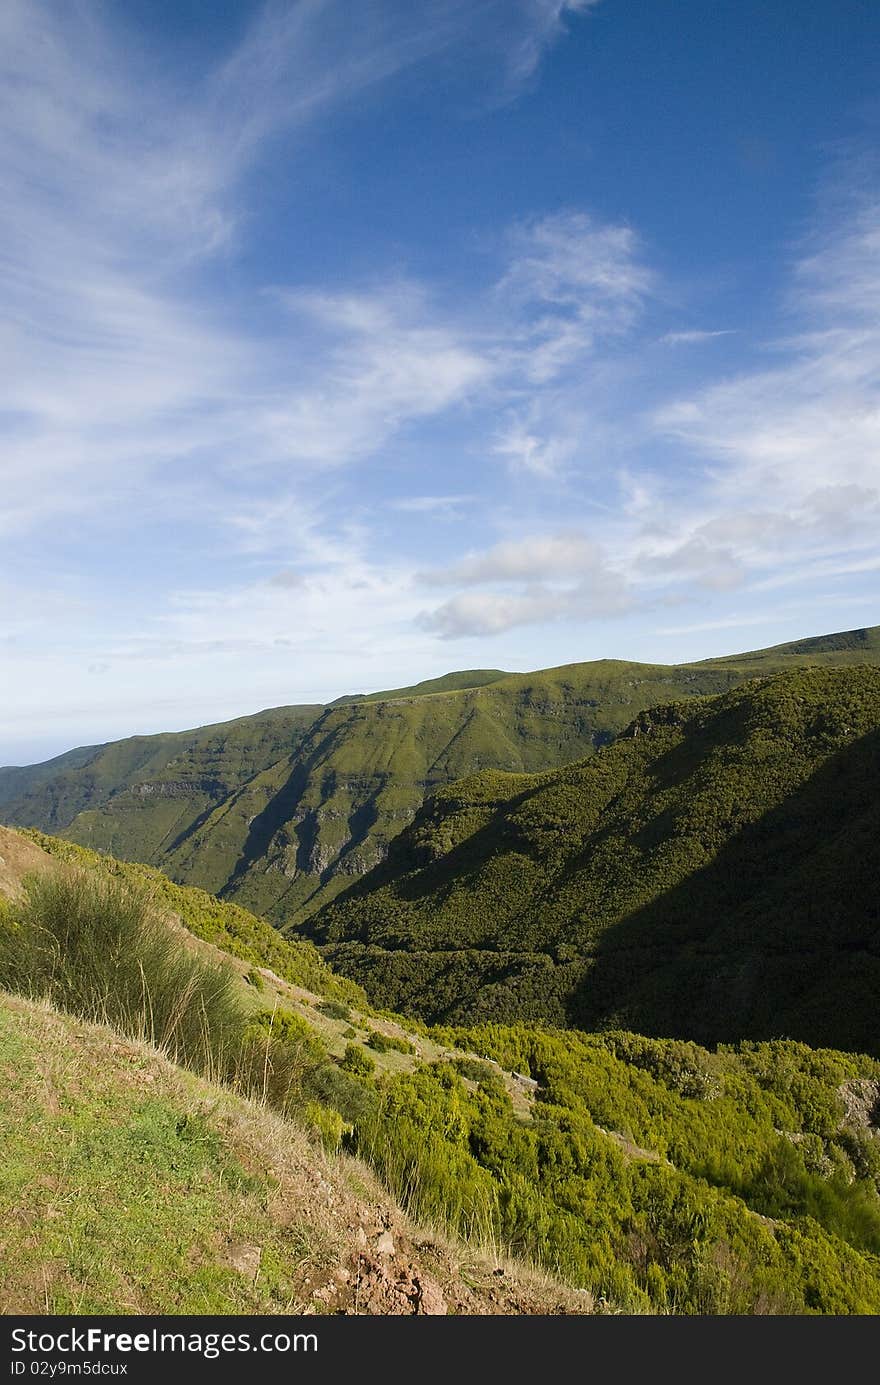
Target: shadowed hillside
[{"x": 711, "y": 875}]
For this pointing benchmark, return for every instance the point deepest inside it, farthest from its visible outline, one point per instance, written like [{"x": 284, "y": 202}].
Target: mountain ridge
[{"x": 282, "y": 809}]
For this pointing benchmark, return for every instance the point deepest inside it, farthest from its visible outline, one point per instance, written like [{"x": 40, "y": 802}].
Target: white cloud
[
  {"x": 695, "y": 336},
  {"x": 544, "y": 22},
  {"x": 386, "y": 364},
  {"x": 545, "y": 577},
  {"x": 528, "y": 559},
  {"x": 442, "y": 505},
  {"x": 789, "y": 429},
  {"x": 380, "y": 358},
  {"x": 573, "y": 281},
  {"x": 572, "y": 293},
  {"x": 726, "y": 550},
  {"x": 521, "y": 444},
  {"x": 288, "y": 579},
  {"x": 492, "y": 613}
]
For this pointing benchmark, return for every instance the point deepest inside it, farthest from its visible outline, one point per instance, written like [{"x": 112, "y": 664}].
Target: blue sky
[{"x": 348, "y": 343}]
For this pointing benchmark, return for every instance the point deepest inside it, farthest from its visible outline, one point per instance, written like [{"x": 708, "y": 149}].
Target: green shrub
[
  {"x": 632, "y": 1228},
  {"x": 358, "y": 1061},
  {"x": 475, "y": 1070},
  {"x": 335, "y": 1010},
  {"x": 385, "y": 1043},
  {"x": 327, "y": 1124},
  {"x": 91, "y": 945},
  {"x": 353, "y": 1097},
  {"x": 277, "y": 1054}
]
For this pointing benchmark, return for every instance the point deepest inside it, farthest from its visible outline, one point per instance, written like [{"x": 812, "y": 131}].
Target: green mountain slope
[
  {"x": 160, "y": 787},
  {"x": 640, "y": 1175},
  {"x": 19, "y": 784},
  {"x": 283, "y": 810},
  {"x": 712, "y": 875}
]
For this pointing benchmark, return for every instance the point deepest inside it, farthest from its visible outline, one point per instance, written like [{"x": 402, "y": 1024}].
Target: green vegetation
[
  {"x": 473, "y": 1069},
  {"x": 282, "y": 810},
  {"x": 357, "y": 1060},
  {"x": 655, "y": 1173},
  {"x": 334, "y": 1010},
  {"x": 389, "y": 1043},
  {"x": 129, "y": 1187},
  {"x": 661, "y": 1175},
  {"x": 227, "y": 926},
  {"x": 93, "y": 946},
  {"x": 689, "y": 880}
]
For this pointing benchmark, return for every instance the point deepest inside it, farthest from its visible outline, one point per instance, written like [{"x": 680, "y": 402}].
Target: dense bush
[
  {"x": 92, "y": 945},
  {"x": 354, "y": 1097},
  {"x": 386, "y": 1043},
  {"x": 335, "y": 1010},
  {"x": 357, "y": 1060},
  {"x": 632, "y": 1183},
  {"x": 475, "y": 1070}
]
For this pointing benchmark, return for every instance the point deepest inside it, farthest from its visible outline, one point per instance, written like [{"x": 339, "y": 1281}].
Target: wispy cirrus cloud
[
  {"x": 375, "y": 359},
  {"x": 122, "y": 185},
  {"x": 783, "y": 469},
  {"x": 811, "y": 418},
  {"x": 695, "y": 336},
  {"x": 573, "y": 282},
  {"x": 573, "y": 291},
  {"x": 385, "y": 361},
  {"x": 541, "y": 23}
]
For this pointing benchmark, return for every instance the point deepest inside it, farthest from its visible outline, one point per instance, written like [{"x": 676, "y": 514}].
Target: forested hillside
[{"x": 711, "y": 875}]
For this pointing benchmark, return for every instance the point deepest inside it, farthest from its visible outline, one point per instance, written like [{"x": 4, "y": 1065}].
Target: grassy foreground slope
[
  {"x": 283, "y": 810},
  {"x": 651, "y": 1173},
  {"x": 131, "y": 1186},
  {"x": 225, "y": 926},
  {"x": 711, "y": 875}
]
